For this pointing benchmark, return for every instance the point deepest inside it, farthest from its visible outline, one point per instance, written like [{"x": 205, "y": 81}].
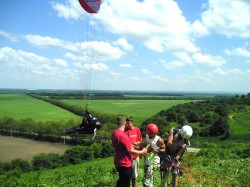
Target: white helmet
[{"x": 186, "y": 131}]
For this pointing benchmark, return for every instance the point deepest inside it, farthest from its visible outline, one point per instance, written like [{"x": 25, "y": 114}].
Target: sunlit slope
[
  {"x": 240, "y": 124},
  {"x": 21, "y": 106}
]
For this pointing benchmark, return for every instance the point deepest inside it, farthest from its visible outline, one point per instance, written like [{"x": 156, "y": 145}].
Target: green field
[
  {"x": 139, "y": 109},
  {"x": 21, "y": 106}
]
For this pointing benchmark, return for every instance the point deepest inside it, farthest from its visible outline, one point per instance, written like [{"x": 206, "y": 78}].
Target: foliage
[
  {"x": 210, "y": 114},
  {"x": 46, "y": 161}
]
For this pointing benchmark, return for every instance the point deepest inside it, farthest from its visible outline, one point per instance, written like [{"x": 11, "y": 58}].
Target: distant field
[
  {"x": 11, "y": 148},
  {"x": 139, "y": 109},
  {"x": 21, "y": 106}
]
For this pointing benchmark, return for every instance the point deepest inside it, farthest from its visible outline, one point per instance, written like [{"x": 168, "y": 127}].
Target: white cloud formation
[
  {"x": 242, "y": 52},
  {"x": 226, "y": 17},
  {"x": 85, "y": 67},
  {"x": 124, "y": 43},
  {"x": 8, "y": 35},
  {"x": 207, "y": 59},
  {"x": 20, "y": 63},
  {"x": 69, "y": 10},
  {"x": 150, "y": 22},
  {"x": 126, "y": 65},
  {"x": 61, "y": 62},
  {"x": 91, "y": 50},
  {"x": 173, "y": 65}
]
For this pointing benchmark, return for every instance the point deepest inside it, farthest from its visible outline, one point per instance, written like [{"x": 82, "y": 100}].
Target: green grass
[
  {"x": 21, "y": 106},
  {"x": 240, "y": 125},
  {"x": 139, "y": 109}
]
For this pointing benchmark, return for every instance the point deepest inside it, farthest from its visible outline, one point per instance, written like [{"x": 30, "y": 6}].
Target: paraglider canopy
[{"x": 91, "y": 6}]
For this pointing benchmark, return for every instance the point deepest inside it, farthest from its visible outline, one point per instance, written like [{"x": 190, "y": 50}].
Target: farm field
[
  {"x": 12, "y": 148},
  {"x": 139, "y": 109},
  {"x": 21, "y": 106}
]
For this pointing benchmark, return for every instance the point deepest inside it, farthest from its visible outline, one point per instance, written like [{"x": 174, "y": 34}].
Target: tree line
[{"x": 210, "y": 115}]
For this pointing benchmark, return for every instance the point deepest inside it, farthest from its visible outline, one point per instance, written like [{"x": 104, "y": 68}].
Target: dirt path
[
  {"x": 231, "y": 117},
  {"x": 194, "y": 150}
]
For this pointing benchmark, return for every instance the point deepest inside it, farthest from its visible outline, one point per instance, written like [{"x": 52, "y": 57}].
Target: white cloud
[
  {"x": 49, "y": 41},
  {"x": 173, "y": 65},
  {"x": 92, "y": 50},
  {"x": 126, "y": 65},
  {"x": 159, "y": 78},
  {"x": 226, "y": 17},
  {"x": 69, "y": 10},
  {"x": 22, "y": 64},
  {"x": 242, "y": 52},
  {"x": 219, "y": 71},
  {"x": 124, "y": 43},
  {"x": 61, "y": 62},
  {"x": 146, "y": 72},
  {"x": 115, "y": 74},
  {"x": 8, "y": 35},
  {"x": 159, "y": 25},
  {"x": 207, "y": 59},
  {"x": 183, "y": 57},
  {"x": 85, "y": 67}
]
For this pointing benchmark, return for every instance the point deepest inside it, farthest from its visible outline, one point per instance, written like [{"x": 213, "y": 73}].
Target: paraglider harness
[
  {"x": 168, "y": 161},
  {"x": 89, "y": 125}
]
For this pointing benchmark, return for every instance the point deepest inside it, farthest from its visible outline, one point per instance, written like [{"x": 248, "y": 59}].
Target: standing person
[
  {"x": 156, "y": 146},
  {"x": 123, "y": 153},
  {"x": 135, "y": 137},
  {"x": 176, "y": 145}
]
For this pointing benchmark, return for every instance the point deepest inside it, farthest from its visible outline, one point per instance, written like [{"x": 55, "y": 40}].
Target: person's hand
[
  {"x": 171, "y": 131},
  {"x": 144, "y": 151},
  {"x": 177, "y": 157}
]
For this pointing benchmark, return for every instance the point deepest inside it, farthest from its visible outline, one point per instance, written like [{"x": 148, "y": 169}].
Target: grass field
[
  {"x": 21, "y": 106},
  {"x": 139, "y": 109}
]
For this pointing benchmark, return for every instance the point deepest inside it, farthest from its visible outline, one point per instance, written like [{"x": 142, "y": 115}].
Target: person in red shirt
[
  {"x": 123, "y": 151},
  {"x": 135, "y": 137}
]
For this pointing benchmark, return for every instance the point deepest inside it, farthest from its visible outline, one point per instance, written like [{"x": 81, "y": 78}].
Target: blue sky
[{"x": 160, "y": 45}]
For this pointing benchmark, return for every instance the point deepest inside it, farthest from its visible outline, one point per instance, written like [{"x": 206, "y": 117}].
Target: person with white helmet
[
  {"x": 156, "y": 146},
  {"x": 176, "y": 145}
]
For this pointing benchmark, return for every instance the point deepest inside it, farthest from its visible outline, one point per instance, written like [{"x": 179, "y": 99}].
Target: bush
[{"x": 46, "y": 161}]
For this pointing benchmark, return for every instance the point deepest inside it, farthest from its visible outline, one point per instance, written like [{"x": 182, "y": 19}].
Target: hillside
[{"x": 221, "y": 162}]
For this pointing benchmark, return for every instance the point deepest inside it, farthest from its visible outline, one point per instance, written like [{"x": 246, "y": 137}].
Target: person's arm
[
  {"x": 170, "y": 137},
  {"x": 162, "y": 146},
  {"x": 138, "y": 152},
  {"x": 181, "y": 151}
]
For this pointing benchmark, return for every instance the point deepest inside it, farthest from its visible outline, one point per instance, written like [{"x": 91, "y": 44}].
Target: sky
[{"x": 141, "y": 45}]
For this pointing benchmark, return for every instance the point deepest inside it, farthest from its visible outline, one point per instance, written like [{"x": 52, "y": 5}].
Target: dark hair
[{"x": 128, "y": 119}]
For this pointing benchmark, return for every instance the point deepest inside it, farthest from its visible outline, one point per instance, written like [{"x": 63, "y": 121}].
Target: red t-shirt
[
  {"x": 134, "y": 136},
  {"x": 122, "y": 147}
]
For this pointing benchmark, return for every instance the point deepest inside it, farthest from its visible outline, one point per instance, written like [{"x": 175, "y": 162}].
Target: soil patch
[{"x": 12, "y": 148}]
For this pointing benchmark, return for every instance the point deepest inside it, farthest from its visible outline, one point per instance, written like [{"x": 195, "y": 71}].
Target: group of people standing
[{"x": 128, "y": 147}]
